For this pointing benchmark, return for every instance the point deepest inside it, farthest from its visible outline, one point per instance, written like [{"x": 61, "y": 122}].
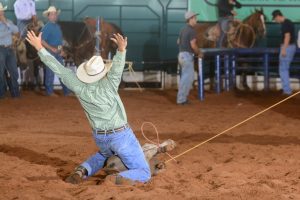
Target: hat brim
[
  {"x": 84, "y": 77},
  {"x": 46, "y": 12},
  {"x": 192, "y": 16},
  {"x": 3, "y": 9}
]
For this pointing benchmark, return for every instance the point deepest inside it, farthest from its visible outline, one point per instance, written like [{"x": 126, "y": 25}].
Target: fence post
[
  {"x": 266, "y": 72},
  {"x": 233, "y": 72},
  {"x": 200, "y": 79},
  {"x": 226, "y": 70},
  {"x": 97, "y": 47},
  {"x": 217, "y": 74}
]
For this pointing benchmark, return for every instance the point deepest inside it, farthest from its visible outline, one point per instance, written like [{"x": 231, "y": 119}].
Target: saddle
[{"x": 213, "y": 32}]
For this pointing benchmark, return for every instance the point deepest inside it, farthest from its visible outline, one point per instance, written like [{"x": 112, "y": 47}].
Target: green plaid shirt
[{"x": 100, "y": 100}]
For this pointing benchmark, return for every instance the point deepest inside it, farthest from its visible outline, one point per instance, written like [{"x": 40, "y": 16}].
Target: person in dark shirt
[
  {"x": 187, "y": 48},
  {"x": 287, "y": 49},
  {"x": 226, "y": 14}
]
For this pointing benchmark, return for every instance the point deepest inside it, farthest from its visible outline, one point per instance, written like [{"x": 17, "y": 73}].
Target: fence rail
[{"x": 230, "y": 58}]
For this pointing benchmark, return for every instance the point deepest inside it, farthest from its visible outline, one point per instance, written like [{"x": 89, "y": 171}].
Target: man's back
[
  {"x": 225, "y": 8},
  {"x": 24, "y": 9},
  {"x": 186, "y": 35},
  {"x": 288, "y": 27}
]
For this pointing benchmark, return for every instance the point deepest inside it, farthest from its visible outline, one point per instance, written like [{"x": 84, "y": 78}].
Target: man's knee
[{"x": 147, "y": 174}]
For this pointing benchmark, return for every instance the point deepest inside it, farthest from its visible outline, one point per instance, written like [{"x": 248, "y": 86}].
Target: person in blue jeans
[
  {"x": 52, "y": 41},
  {"x": 287, "y": 49},
  {"x": 187, "y": 48},
  {"x": 226, "y": 14},
  {"x": 25, "y": 13},
  {"x": 8, "y": 61},
  {"x": 96, "y": 86}
]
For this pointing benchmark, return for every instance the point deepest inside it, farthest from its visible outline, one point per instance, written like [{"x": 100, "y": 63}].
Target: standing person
[
  {"x": 287, "y": 49},
  {"x": 25, "y": 13},
  {"x": 52, "y": 40},
  {"x": 226, "y": 14},
  {"x": 187, "y": 48},
  {"x": 7, "y": 57},
  {"x": 96, "y": 86}
]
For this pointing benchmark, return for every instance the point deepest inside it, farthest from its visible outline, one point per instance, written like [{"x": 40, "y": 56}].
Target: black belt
[{"x": 122, "y": 128}]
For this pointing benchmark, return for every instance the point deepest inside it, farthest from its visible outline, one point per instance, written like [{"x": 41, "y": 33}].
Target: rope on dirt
[
  {"x": 157, "y": 136},
  {"x": 130, "y": 70},
  {"x": 132, "y": 73},
  {"x": 249, "y": 118}
]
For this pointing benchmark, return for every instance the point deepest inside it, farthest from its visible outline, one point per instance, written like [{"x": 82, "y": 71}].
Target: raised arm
[
  {"x": 115, "y": 73},
  {"x": 68, "y": 77}
]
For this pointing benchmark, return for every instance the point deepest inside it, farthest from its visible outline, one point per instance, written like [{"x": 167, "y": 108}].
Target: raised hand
[
  {"x": 120, "y": 41},
  {"x": 35, "y": 41}
]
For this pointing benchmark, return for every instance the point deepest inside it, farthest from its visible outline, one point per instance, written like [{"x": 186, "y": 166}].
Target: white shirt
[{"x": 24, "y": 9}]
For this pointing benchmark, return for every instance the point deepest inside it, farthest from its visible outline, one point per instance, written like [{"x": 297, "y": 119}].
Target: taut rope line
[{"x": 225, "y": 131}]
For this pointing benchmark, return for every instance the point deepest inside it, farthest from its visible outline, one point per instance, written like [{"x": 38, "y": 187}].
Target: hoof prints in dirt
[{"x": 40, "y": 159}]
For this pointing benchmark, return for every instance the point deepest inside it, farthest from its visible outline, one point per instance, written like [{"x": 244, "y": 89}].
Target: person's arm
[
  {"x": 116, "y": 71},
  {"x": 49, "y": 47},
  {"x": 237, "y": 4},
  {"x": 33, "y": 11},
  {"x": 194, "y": 46},
  {"x": 223, "y": 6},
  {"x": 286, "y": 42},
  {"x": 193, "y": 43},
  {"x": 68, "y": 77},
  {"x": 18, "y": 10},
  {"x": 13, "y": 28}
]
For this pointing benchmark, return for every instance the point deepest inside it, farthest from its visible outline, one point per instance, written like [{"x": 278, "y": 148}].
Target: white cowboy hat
[
  {"x": 2, "y": 8},
  {"x": 92, "y": 70},
  {"x": 50, "y": 9}
]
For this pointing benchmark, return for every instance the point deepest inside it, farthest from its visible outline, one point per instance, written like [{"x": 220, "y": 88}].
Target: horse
[
  {"x": 80, "y": 39},
  {"x": 240, "y": 35},
  {"x": 20, "y": 51}
]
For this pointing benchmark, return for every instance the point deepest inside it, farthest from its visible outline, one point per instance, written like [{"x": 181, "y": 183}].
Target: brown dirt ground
[{"x": 42, "y": 139}]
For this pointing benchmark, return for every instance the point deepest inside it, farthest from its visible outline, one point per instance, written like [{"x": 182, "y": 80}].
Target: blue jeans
[
  {"x": 186, "y": 63},
  {"x": 284, "y": 67},
  {"x": 8, "y": 62},
  {"x": 126, "y": 146},
  {"x": 22, "y": 26},
  {"x": 49, "y": 78},
  {"x": 224, "y": 26}
]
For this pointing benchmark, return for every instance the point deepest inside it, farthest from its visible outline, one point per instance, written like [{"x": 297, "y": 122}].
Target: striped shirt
[{"x": 100, "y": 100}]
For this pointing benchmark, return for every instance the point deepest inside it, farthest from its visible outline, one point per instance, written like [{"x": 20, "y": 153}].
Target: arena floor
[{"x": 42, "y": 139}]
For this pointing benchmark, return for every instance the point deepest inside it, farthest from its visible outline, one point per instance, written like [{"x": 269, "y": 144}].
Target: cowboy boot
[{"x": 77, "y": 176}]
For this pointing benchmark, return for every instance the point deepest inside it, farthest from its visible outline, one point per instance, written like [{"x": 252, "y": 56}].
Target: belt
[
  {"x": 122, "y": 128},
  {"x": 6, "y": 46}
]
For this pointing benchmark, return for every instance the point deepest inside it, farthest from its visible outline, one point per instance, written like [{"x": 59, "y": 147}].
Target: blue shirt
[
  {"x": 52, "y": 34},
  {"x": 6, "y": 31}
]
